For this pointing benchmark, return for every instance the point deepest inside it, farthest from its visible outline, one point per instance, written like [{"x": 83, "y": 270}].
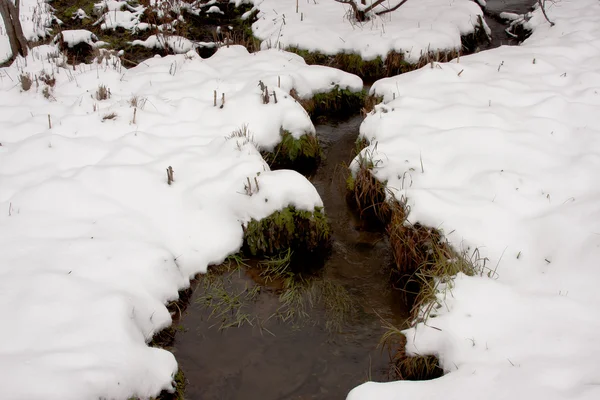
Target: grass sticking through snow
[
  {"x": 304, "y": 232},
  {"x": 425, "y": 265},
  {"x": 366, "y": 193},
  {"x": 337, "y": 102},
  {"x": 302, "y": 154}
]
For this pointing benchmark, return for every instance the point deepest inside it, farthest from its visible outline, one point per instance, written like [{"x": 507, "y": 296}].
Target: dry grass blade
[{"x": 407, "y": 367}]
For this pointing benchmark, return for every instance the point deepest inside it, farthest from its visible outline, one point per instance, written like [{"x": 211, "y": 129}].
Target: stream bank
[{"x": 322, "y": 354}]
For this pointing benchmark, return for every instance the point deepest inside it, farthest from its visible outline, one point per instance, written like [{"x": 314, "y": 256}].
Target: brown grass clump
[
  {"x": 26, "y": 81},
  {"x": 425, "y": 263},
  {"x": 412, "y": 245},
  {"x": 367, "y": 194},
  {"x": 102, "y": 93},
  {"x": 47, "y": 92},
  {"x": 48, "y": 79},
  {"x": 370, "y": 102},
  {"x": 306, "y": 234},
  {"x": 111, "y": 115},
  {"x": 337, "y": 102},
  {"x": 408, "y": 367}
]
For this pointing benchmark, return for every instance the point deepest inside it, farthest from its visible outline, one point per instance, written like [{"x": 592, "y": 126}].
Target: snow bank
[
  {"x": 325, "y": 26},
  {"x": 118, "y": 14},
  {"x": 77, "y": 36},
  {"x": 93, "y": 241},
  {"x": 510, "y": 142},
  {"x": 177, "y": 44}
]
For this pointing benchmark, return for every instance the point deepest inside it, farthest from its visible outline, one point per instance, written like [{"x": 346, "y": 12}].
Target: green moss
[
  {"x": 336, "y": 102},
  {"x": 302, "y": 154},
  {"x": 302, "y": 232},
  {"x": 350, "y": 182}
]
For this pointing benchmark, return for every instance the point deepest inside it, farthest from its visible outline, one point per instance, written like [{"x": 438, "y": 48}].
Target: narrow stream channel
[{"x": 283, "y": 360}]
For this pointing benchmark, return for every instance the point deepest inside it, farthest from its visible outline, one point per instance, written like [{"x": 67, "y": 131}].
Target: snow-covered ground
[
  {"x": 510, "y": 145},
  {"x": 325, "y": 26},
  {"x": 93, "y": 241}
]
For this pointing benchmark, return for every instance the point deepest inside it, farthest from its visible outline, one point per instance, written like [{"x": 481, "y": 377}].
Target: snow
[
  {"x": 214, "y": 9},
  {"x": 325, "y": 26},
  {"x": 510, "y": 142},
  {"x": 74, "y": 37},
  {"x": 93, "y": 241},
  {"x": 177, "y": 44},
  {"x": 118, "y": 14}
]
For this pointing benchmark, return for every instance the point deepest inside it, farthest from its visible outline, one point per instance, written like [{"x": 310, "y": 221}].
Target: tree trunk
[{"x": 12, "y": 24}]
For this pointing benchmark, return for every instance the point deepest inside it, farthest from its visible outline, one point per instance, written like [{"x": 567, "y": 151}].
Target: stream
[
  {"x": 318, "y": 352},
  {"x": 284, "y": 360}
]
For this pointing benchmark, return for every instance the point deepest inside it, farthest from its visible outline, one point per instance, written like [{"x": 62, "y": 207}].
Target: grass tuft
[
  {"x": 102, "y": 93},
  {"x": 366, "y": 193},
  {"x": 47, "y": 78},
  {"x": 425, "y": 263},
  {"x": 112, "y": 115},
  {"x": 305, "y": 233},
  {"x": 337, "y": 102},
  {"x": 404, "y": 366},
  {"x": 26, "y": 81},
  {"x": 302, "y": 154}
]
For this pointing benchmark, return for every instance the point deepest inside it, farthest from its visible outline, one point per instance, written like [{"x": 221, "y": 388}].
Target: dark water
[
  {"x": 498, "y": 27},
  {"x": 272, "y": 359}
]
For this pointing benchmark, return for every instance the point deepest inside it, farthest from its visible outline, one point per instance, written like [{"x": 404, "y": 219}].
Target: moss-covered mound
[
  {"x": 306, "y": 234},
  {"x": 337, "y": 103},
  {"x": 302, "y": 154},
  {"x": 367, "y": 194}
]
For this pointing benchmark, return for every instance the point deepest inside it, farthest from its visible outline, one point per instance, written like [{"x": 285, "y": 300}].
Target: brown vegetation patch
[
  {"x": 367, "y": 194},
  {"x": 409, "y": 367}
]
